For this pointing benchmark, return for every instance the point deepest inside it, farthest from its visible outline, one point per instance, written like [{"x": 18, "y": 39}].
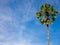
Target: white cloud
[
  {"x": 11, "y": 29},
  {"x": 27, "y": 12},
  {"x": 7, "y": 17}
]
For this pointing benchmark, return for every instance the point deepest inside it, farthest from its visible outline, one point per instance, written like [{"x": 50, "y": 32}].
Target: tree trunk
[{"x": 48, "y": 34}]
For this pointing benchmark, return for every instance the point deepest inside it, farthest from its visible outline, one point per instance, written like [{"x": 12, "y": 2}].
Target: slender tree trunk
[{"x": 48, "y": 35}]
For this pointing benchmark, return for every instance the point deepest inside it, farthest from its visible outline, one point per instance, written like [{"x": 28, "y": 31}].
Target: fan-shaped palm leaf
[
  {"x": 38, "y": 14},
  {"x": 52, "y": 9},
  {"x": 42, "y": 6}
]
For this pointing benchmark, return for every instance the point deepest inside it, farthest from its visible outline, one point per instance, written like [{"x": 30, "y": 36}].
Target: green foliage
[
  {"x": 42, "y": 21},
  {"x": 38, "y": 14},
  {"x": 47, "y": 14},
  {"x": 56, "y": 12},
  {"x": 52, "y": 9},
  {"x": 42, "y": 6}
]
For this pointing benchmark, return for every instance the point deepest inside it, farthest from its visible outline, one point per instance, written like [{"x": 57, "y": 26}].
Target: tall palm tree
[{"x": 47, "y": 15}]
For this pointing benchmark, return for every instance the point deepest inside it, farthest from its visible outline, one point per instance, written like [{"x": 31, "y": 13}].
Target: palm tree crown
[{"x": 47, "y": 14}]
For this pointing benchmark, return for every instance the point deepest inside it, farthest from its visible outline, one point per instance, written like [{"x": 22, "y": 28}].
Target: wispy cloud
[
  {"x": 11, "y": 29},
  {"x": 13, "y": 23}
]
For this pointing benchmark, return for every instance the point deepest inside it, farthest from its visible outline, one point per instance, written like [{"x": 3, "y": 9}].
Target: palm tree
[{"x": 47, "y": 15}]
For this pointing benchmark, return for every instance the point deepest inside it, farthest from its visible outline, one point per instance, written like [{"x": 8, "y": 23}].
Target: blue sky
[{"x": 19, "y": 25}]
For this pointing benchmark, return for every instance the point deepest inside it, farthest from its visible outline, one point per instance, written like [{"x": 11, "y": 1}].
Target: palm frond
[
  {"x": 56, "y": 12},
  {"x": 54, "y": 15},
  {"x": 42, "y": 21},
  {"x": 47, "y": 6},
  {"x": 52, "y": 9},
  {"x": 38, "y": 14},
  {"x": 42, "y": 6}
]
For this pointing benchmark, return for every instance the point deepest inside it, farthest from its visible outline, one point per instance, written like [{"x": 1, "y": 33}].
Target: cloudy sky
[{"x": 19, "y": 25}]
